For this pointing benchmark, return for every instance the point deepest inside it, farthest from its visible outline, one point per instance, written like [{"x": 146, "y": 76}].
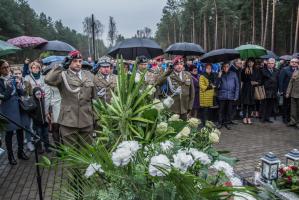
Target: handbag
[
  {"x": 27, "y": 104},
  {"x": 259, "y": 93}
]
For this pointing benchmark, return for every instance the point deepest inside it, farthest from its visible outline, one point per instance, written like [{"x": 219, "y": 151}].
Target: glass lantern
[
  {"x": 270, "y": 166},
  {"x": 292, "y": 158}
]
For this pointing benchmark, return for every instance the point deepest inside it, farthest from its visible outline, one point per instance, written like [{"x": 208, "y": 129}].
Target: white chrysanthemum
[
  {"x": 160, "y": 161},
  {"x": 236, "y": 182},
  {"x": 224, "y": 167},
  {"x": 92, "y": 168},
  {"x": 193, "y": 122},
  {"x": 214, "y": 137},
  {"x": 182, "y": 161},
  {"x": 121, "y": 157},
  {"x": 168, "y": 102},
  {"x": 134, "y": 146},
  {"x": 162, "y": 127},
  {"x": 158, "y": 104},
  {"x": 185, "y": 132},
  {"x": 152, "y": 89},
  {"x": 243, "y": 196},
  {"x": 201, "y": 156},
  {"x": 174, "y": 118},
  {"x": 167, "y": 145},
  {"x": 124, "y": 152}
]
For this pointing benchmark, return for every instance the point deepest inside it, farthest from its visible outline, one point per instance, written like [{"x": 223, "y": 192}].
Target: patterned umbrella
[
  {"x": 26, "y": 41},
  {"x": 6, "y": 48}
]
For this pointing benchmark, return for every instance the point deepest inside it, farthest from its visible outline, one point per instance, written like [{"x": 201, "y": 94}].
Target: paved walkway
[{"x": 247, "y": 143}]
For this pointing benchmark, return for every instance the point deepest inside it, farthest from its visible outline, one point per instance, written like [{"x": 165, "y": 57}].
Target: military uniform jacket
[
  {"x": 104, "y": 87},
  {"x": 76, "y": 96},
  {"x": 183, "y": 102}
]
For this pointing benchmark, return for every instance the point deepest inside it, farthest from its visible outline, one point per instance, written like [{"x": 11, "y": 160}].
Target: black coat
[
  {"x": 270, "y": 82},
  {"x": 247, "y": 91}
]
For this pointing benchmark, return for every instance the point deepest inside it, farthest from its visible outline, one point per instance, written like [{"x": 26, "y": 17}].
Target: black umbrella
[
  {"x": 131, "y": 48},
  {"x": 56, "y": 45},
  {"x": 270, "y": 54},
  {"x": 185, "y": 49},
  {"x": 286, "y": 57},
  {"x": 220, "y": 55}
]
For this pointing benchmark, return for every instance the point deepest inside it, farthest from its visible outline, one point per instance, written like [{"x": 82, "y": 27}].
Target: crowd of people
[{"x": 58, "y": 98}]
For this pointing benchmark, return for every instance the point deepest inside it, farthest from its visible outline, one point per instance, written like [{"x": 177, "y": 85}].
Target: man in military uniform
[
  {"x": 76, "y": 87},
  {"x": 181, "y": 88},
  {"x": 104, "y": 81}
]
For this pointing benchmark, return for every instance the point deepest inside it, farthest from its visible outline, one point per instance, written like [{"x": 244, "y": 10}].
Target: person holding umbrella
[
  {"x": 104, "y": 80},
  {"x": 228, "y": 92},
  {"x": 182, "y": 89},
  {"x": 249, "y": 78}
]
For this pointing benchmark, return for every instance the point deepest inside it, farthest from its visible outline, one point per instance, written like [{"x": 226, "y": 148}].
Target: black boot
[
  {"x": 22, "y": 155},
  {"x": 11, "y": 159}
]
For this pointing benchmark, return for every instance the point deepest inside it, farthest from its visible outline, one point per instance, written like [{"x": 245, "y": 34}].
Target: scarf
[
  {"x": 36, "y": 75},
  {"x": 210, "y": 77}
]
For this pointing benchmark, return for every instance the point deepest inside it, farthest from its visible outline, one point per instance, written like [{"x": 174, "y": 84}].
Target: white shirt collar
[{"x": 79, "y": 73}]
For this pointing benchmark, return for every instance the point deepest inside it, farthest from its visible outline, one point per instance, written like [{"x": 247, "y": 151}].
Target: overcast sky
[{"x": 129, "y": 15}]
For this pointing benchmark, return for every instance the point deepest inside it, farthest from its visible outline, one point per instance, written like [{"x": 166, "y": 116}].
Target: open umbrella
[
  {"x": 50, "y": 59},
  {"x": 220, "y": 55},
  {"x": 286, "y": 57},
  {"x": 26, "y": 41},
  {"x": 270, "y": 54},
  {"x": 251, "y": 51},
  {"x": 56, "y": 45},
  {"x": 185, "y": 49},
  {"x": 132, "y": 48},
  {"x": 6, "y": 48}
]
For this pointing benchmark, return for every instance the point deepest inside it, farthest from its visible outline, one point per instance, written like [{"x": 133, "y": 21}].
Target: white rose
[
  {"x": 217, "y": 131},
  {"x": 134, "y": 146},
  {"x": 223, "y": 166},
  {"x": 236, "y": 182},
  {"x": 92, "y": 168},
  {"x": 201, "y": 156},
  {"x": 162, "y": 127},
  {"x": 214, "y": 137},
  {"x": 158, "y": 105},
  {"x": 174, "y": 118},
  {"x": 160, "y": 161},
  {"x": 167, "y": 145},
  {"x": 193, "y": 122},
  {"x": 184, "y": 133},
  {"x": 182, "y": 161},
  {"x": 168, "y": 102},
  {"x": 121, "y": 157}
]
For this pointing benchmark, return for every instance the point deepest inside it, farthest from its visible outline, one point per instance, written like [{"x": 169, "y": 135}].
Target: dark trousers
[
  {"x": 286, "y": 109},
  {"x": 8, "y": 141},
  {"x": 204, "y": 114},
  {"x": 56, "y": 134},
  {"x": 183, "y": 116},
  {"x": 294, "y": 111},
  {"x": 42, "y": 132},
  {"x": 225, "y": 111},
  {"x": 247, "y": 109},
  {"x": 267, "y": 108}
]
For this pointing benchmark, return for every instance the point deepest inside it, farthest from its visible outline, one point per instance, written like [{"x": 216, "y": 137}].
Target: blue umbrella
[
  {"x": 56, "y": 45},
  {"x": 50, "y": 59}
]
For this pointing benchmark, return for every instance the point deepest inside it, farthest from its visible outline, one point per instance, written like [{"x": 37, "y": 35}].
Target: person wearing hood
[
  {"x": 38, "y": 115},
  {"x": 206, "y": 92},
  {"x": 104, "y": 80}
]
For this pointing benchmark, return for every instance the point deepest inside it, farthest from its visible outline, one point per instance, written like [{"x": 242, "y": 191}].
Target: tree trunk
[
  {"x": 168, "y": 35},
  {"x": 216, "y": 26},
  {"x": 205, "y": 32},
  {"x": 253, "y": 21},
  {"x": 225, "y": 33},
  {"x": 266, "y": 24},
  {"x": 296, "y": 31},
  {"x": 262, "y": 22},
  {"x": 193, "y": 27},
  {"x": 291, "y": 30},
  {"x": 273, "y": 25},
  {"x": 240, "y": 31},
  {"x": 174, "y": 32}
]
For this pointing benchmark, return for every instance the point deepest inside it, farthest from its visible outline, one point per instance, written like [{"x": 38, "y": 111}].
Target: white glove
[{"x": 178, "y": 90}]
